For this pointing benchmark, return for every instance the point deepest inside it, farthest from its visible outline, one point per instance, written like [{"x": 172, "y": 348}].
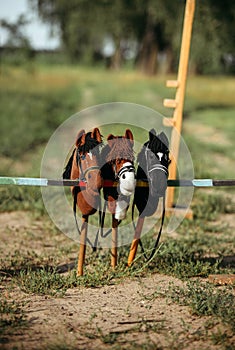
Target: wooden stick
[
  {"x": 180, "y": 94},
  {"x": 135, "y": 242},
  {"x": 114, "y": 242},
  {"x": 82, "y": 250}
]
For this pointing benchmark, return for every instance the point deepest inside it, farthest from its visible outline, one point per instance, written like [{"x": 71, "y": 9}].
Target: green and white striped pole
[{"x": 32, "y": 181}]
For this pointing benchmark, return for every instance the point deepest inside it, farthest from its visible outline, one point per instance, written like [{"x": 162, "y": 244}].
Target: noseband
[{"x": 124, "y": 169}]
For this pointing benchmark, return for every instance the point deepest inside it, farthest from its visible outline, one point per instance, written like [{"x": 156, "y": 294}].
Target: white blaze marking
[
  {"x": 160, "y": 154},
  {"x": 90, "y": 155}
]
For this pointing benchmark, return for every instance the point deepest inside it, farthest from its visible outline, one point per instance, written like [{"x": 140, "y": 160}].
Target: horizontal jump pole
[{"x": 27, "y": 181}]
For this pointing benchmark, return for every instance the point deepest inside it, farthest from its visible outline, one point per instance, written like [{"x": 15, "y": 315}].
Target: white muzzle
[{"x": 127, "y": 179}]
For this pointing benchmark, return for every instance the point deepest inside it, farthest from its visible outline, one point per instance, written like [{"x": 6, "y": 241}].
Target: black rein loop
[{"x": 158, "y": 236}]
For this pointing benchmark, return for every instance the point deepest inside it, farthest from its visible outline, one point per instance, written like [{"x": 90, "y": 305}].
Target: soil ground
[{"x": 128, "y": 315}]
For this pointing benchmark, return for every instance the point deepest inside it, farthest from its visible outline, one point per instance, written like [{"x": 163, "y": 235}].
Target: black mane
[
  {"x": 68, "y": 168},
  {"x": 90, "y": 144},
  {"x": 156, "y": 143}
]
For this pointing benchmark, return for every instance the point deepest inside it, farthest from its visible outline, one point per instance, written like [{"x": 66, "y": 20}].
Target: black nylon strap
[
  {"x": 159, "y": 233},
  {"x": 102, "y": 234}
]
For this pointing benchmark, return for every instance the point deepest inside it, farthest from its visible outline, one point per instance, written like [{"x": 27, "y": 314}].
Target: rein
[
  {"x": 148, "y": 258},
  {"x": 158, "y": 236},
  {"x": 102, "y": 234}
]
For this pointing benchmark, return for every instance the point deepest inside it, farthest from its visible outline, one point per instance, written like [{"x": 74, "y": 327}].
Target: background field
[{"x": 37, "y": 261}]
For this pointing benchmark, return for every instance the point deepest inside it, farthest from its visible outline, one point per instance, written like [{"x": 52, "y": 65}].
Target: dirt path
[
  {"x": 135, "y": 314},
  {"x": 128, "y": 314},
  {"x": 97, "y": 318}
]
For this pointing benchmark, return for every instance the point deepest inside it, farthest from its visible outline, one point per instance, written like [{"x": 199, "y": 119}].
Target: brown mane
[{"x": 117, "y": 149}]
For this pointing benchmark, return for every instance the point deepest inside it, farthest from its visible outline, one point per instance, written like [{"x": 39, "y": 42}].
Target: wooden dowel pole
[
  {"x": 82, "y": 249},
  {"x": 135, "y": 242}
]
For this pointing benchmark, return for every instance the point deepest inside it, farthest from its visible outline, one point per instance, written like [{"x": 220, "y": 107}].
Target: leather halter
[
  {"x": 156, "y": 166},
  {"x": 87, "y": 170},
  {"x": 124, "y": 169}
]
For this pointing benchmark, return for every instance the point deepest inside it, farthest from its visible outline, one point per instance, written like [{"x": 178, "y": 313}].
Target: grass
[
  {"x": 204, "y": 300},
  {"x": 200, "y": 252},
  {"x": 12, "y": 317},
  {"x": 29, "y": 115},
  {"x": 29, "y": 118},
  {"x": 52, "y": 93}
]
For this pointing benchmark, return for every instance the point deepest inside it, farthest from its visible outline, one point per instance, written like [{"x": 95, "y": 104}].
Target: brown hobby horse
[
  {"x": 118, "y": 158},
  {"x": 84, "y": 165}
]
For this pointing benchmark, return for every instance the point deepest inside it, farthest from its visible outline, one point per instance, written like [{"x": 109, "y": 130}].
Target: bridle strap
[
  {"x": 159, "y": 167},
  {"x": 156, "y": 166},
  {"x": 86, "y": 171},
  {"x": 124, "y": 169},
  {"x": 102, "y": 234},
  {"x": 159, "y": 233},
  {"x": 91, "y": 168},
  {"x": 158, "y": 236}
]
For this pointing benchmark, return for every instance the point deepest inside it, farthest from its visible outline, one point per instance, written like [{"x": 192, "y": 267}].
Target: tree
[
  {"x": 17, "y": 40},
  {"x": 81, "y": 23},
  {"x": 213, "y": 35},
  {"x": 154, "y": 25},
  {"x": 160, "y": 25}
]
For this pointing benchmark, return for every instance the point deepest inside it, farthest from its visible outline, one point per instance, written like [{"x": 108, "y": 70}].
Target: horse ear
[
  {"x": 128, "y": 135},
  {"x": 96, "y": 135},
  {"x": 152, "y": 133},
  {"x": 110, "y": 138},
  {"x": 162, "y": 136},
  {"x": 79, "y": 137}
]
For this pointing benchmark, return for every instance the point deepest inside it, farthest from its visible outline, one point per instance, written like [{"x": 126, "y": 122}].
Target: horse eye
[{"x": 123, "y": 176}]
